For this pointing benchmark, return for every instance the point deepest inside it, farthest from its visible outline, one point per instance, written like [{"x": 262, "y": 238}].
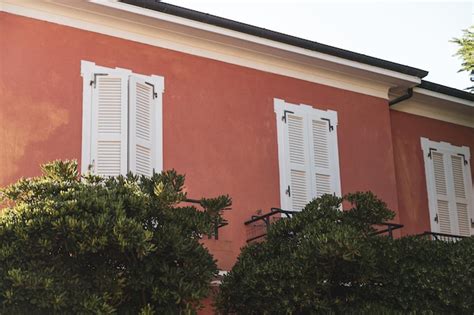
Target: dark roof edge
[
  {"x": 275, "y": 36},
  {"x": 434, "y": 87}
]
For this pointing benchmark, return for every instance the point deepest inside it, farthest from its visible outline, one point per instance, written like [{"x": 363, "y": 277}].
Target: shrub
[
  {"x": 88, "y": 244},
  {"x": 324, "y": 260}
]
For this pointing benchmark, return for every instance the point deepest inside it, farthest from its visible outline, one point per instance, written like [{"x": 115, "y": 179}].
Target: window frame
[
  {"x": 283, "y": 161},
  {"x": 88, "y": 69},
  {"x": 447, "y": 149}
]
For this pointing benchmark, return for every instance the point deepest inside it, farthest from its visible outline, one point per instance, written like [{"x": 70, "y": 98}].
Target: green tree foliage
[
  {"x": 324, "y": 260},
  {"x": 466, "y": 51},
  {"x": 73, "y": 244}
]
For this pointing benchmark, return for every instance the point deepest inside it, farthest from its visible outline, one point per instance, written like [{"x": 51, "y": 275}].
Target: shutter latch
[
  {"x": 94, "y": 81},
  {"x": 436, "y": 218},
  {"x": 288, "y": 191},
  {"x": 331, "y": 127},
  {"x": 464, "y": 158},
  {"x": 284, "y": 114},
  {"x": 429, "y": 152},
  {"x": 155, "y": 95}
]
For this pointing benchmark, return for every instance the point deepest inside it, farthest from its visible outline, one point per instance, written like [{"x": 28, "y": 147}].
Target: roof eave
[{"x": 275, "y": 36}]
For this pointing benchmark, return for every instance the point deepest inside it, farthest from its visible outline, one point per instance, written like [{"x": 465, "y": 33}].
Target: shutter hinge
[
  {"x": 94, "y": 81},
  {"x": 91, "y": 167},
  {"x": 288, "y": 191},
  {"x": 429, "y": 152},
  {"x": 155, "y": 95},
  {"x": 331, "y": 127},
  {"x": 284, "y": 114},
  {"x": 464, "y": 158}
]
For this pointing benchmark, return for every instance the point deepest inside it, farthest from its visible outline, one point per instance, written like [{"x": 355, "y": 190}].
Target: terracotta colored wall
[
  {"x": 411, "y": 181},
  {"x": 219, "y": 122}
]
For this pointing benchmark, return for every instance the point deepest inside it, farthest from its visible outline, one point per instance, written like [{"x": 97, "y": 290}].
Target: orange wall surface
[
  {"x": 407, "y": 129},
  {"x": 218, "y": 119}
]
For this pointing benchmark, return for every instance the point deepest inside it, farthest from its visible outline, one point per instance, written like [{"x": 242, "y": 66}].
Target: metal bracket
[
  {"x": 429, "y": 152},
  {"x": 284, "y": 114},
  {"x": 155, "y": 95},
  {"x": 94, "y": 81},
  {"x": 436, "y": 218},
  {"x": 288, "y": 191},
  {"x": 464, "y": 158},
  {"x": 331, "y": 127}
]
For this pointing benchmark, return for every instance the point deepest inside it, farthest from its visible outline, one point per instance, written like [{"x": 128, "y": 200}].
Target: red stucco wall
[
  {"x": 411, "y": 181},
  {"x": 219, "y": 123}
]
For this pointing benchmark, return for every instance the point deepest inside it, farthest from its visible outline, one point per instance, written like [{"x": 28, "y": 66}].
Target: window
[
  {"x": 307, "y": 153},
  {"x": 122, "y": 121},
  {"x": 449, "y": 186}
]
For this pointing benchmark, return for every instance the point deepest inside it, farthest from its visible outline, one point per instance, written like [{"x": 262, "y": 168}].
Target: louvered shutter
[
  {"x": 307, "y": 145},
  {"x": 322, "y": 157},
  {"x": 109, "y": 123},
  {"x": 449, "y": 187},
  {"x": 142, "y": 135},
  {"x": 442, "y": 218},
  {"x": 461, "y": 202},
  {"x": 299, "y": 185}
]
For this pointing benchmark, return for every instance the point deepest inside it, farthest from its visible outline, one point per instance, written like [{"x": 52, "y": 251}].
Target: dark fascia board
[
  {"x": 446, "y": 90},
  {"x": 275, "y": 36}
]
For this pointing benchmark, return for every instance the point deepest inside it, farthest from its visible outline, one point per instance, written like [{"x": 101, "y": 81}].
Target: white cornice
[
  {"x": 445, "y": 97},
  {"x": 253, "y": 39},
  {"x": 162, "y": 30},
  {"x": 438, "y": 106}
]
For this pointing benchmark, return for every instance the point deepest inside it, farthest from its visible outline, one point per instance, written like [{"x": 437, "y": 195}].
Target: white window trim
[
  {"x": 279, "y": 107},
  {"x": 449, "y": 149},
  {"x": 88, "y": 69}
]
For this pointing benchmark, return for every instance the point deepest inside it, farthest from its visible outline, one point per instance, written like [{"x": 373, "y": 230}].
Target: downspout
[{"x": 401, "y": 98}]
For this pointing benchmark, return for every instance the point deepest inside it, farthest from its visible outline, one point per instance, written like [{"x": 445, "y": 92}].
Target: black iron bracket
[
  {"x": 155, "y": 95},
  {"x": 266, "y": 219},
  {"x": 288, "y": 191},
  {"x": 429, "y": 152},
  {"x": 284, "y": 114},
  {"x": 464, "y": 158},
  {"x": 215, "y": 233},
  {"x": 331, "y": 127},
  {"x": 441, "y": 236},
  {"x": 390, "y": 227},
  {"x": 94, "y": 81}
]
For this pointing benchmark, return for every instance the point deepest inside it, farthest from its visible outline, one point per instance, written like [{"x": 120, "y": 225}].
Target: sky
[{"x": 413, "y": 33}]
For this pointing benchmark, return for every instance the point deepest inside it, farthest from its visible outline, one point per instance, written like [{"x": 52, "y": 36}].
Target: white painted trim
[
  {"x": 438, "y": 106},
  {"x": 308, "y": 113},
  {"x": 159, "y": 83},
  {"x": 447, "y": 150},
  {"x": 442, "y": 96},
  {"x": 87, "y": 69},
  {"x": 248, "y": 51},
  {"x": 279, "y": 106},
  {"x": 250, "y": 38}
]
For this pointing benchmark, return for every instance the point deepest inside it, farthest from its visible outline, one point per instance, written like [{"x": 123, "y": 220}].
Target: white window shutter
[
  {"x": 142, "y": 96},
  {"x": 449, "y": 187},
  {"x": 323, "y": 156},
  {"x": 109, "y": 123},
  {"x": 299, "y": 186},
  {"x": 308, "y": 157},
  {"x": 146, "y": 102},
  {"x": 442, "y": 217},
  {"x": 461, "y": 202}
]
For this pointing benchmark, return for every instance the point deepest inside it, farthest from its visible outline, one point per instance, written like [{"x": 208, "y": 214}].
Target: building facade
[{"x": 269, "y": 119}]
